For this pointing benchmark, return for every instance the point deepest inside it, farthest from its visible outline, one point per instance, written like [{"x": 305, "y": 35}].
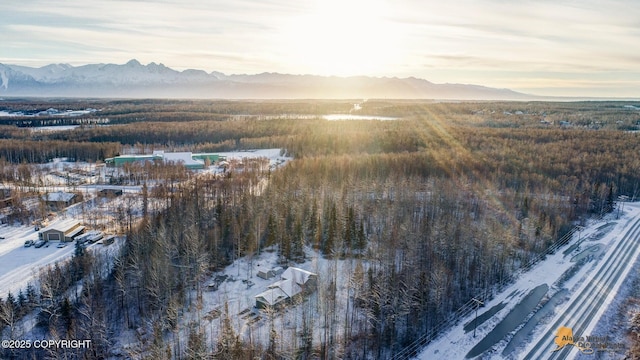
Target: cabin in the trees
[
  {"x": 110, "y": 192},
  {"x": 5, "y": 198},
  {"x": 294, "y": 282},
  {"x": 63, "y": 230},
  {"x": 60, "y": 200},
  {"x": 270, "y": 274}
]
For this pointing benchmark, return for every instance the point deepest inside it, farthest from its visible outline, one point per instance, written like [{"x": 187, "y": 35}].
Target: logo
[
  {"x": 564, "y": 337},
  {"x": 586, "y": 344}
]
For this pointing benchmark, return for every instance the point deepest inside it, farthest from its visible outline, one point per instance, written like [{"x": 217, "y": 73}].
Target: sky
[{"x": 542, "y": 47}]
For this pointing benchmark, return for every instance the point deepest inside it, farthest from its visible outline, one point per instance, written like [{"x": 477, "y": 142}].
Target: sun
[{"x": 343, "y": 38}]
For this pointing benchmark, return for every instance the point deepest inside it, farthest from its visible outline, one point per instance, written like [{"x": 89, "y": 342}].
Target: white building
[
  {"x": 62, "y": 230},
  {"x": 294, "y": 282}
]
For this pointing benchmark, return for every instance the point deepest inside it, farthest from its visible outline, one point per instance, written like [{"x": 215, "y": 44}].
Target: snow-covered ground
[
  {"x": 274, "y": 156},
  {"x": 238, "y": 287},
  {"x": 18, "y": 265},
  {"x": 48, "y": 112},
  {"x": 340, "y": 117},
  {"x": 53, "y": 128},
  {"x": 558, "y": 271}
]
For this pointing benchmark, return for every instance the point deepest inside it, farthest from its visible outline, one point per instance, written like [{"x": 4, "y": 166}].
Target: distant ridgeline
[
  {"x": 50, "y": 117},
  {"x": 54, "y": 122}
]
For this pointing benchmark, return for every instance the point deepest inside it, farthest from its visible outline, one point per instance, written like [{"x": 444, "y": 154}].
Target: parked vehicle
[
  {"x": 109, "y": 240},
  {"x": 61, "y": 245},
  {"x": 28, "y": 243},
  {"x": 90, "y": 237},
  {"x": 39, "y": 243}
]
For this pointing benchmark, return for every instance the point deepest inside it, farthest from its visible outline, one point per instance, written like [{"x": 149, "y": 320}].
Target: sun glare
[{"x": 343, "y": 38}]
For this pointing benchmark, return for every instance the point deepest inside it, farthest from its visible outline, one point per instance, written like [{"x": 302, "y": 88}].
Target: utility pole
[
  {"x": 621, "y": 199},
  {"x": 475, "y": 322}
]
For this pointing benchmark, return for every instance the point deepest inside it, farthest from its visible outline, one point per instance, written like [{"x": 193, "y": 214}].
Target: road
[{"x": 580, "y": 311}]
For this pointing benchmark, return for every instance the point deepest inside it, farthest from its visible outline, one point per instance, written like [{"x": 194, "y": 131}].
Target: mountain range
[{"x": 135, "y": 80}]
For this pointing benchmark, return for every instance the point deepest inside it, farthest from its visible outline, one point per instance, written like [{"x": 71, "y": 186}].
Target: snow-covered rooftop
[
  {"x": 297, "y": 275},
  {"x": 289, "y": 287},
  {"x": 60, "y": 196},
  {"x": 184, "y": 157},
  {"x": 62, "y": 225},
  {"x": 272, "y": 296}
]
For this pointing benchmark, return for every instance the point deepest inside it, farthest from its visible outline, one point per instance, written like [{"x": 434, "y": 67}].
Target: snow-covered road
[
  {"x": 580, "y": 312},
  {"x": 583, "y": 279}
]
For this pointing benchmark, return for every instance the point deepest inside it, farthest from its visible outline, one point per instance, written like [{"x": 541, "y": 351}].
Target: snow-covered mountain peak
[
  {"x": 4, "y": 80},
  {"x": 157, "y": 80},
  {"x": 133, "y": 63}
]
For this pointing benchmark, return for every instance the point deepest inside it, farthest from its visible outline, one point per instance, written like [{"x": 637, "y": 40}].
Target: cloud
[
  {"x": 90, "y": 30},
  {"x": 463, "y": 40}
]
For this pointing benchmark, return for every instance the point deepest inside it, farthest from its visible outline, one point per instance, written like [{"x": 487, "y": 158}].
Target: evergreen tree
[
  {"x": 328, "y": 245},
  {"x": 610, "y": 206},
  {"x": 3, "y": 321},
  {"x": 66, "y": 316},
  {"x": 361, "y": 238},
  {"x": 11, "y": 301},
  {"x": 349, "y": 231},
  {"x": 229, "y": 343},
  {"x": 32, "y": 295},
  {"x": 21, "y": 303},
  {"x": 318, "y": 237},
  {"x": 271, "y": 231},
  {"x": 79, "y": 250},
  {"x": 297, "y": 248},
  {"x": 196, "y": 344}
]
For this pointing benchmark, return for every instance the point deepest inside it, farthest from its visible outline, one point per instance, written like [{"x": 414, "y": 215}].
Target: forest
[{"x": 444, "y": 204}]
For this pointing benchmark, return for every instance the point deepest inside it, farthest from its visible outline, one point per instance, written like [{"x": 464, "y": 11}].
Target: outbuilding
[
  {"x": 60, "y": 199},
  {"x": 270, "y": 274},
  {"x": 110, "y": 192},
  {"x": 5, "y": 198},
  {"x": 63, "y": 230}
]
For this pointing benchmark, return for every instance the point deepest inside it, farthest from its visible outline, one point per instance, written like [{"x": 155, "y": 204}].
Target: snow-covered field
[{"x": 456, "y": 343}]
